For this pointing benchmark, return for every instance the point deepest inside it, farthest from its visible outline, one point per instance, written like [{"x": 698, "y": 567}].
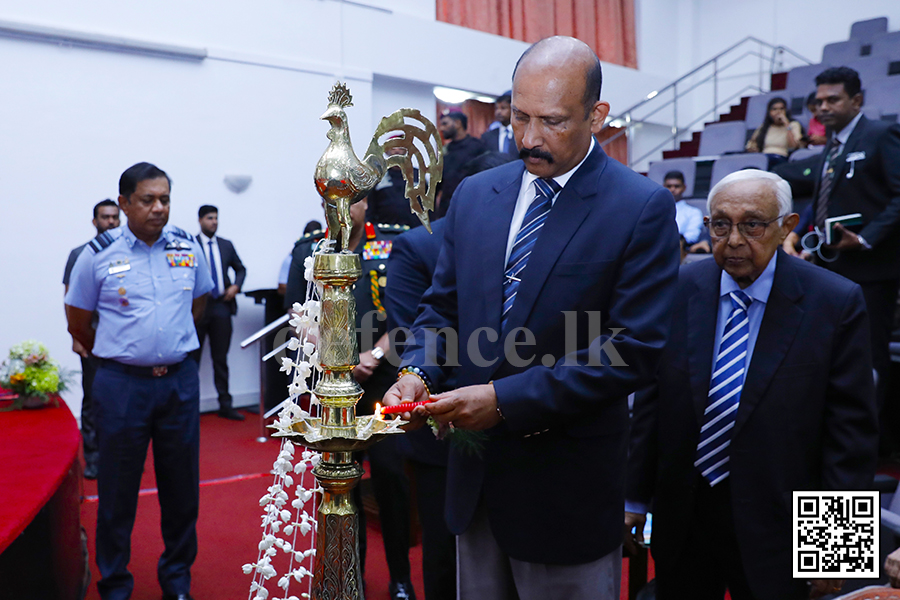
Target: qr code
[{"x": 836, "y": 535}]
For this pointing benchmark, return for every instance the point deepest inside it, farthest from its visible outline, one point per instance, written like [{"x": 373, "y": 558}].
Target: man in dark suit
[
  {"x": 534, "y": 253},
  {"x": 859, "y": 172},
  {"x": 765, "y": 388},
  {"x": 411, "y": 264},
  {"x": 500, "y": 139},
  {"x": 222, "y": 305}
]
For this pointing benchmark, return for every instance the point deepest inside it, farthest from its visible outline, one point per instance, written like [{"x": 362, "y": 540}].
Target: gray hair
[{"x": 778, "y": 185}]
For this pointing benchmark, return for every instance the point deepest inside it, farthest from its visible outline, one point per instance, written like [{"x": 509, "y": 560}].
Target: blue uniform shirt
[{"x": 143, "y": 294}]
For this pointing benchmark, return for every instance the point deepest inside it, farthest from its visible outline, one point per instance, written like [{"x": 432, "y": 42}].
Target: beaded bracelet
[{"x": 416, "y": 372}]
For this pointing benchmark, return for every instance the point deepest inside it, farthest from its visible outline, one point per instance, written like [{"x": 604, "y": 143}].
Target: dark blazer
[
  {"x": 551, "y": 475},
  {"x": 230, "y": 259},
  {"x": 410, "y": 269},
  {"x": 806, "y": 420},
  {"x": 874, "y": 191},
  {"x": 491, "y": 138}
]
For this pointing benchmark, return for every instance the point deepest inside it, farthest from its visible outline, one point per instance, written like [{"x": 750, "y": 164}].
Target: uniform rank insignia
[
  {"x": 180, "y": 260},
  {"x": 377, "y": 250}
]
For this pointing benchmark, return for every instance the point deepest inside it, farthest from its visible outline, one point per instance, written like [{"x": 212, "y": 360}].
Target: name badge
[
  {"x": 177, "y": 259},
  {"x": 852, "y": 158},
  {"x": 120, "y": 266}
]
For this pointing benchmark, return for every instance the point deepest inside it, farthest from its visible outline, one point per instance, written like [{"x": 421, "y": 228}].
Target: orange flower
[{"x": 16, "y": 379}]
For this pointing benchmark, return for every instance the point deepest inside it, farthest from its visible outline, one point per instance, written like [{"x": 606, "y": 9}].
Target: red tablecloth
[{"x": 37, "y": 449}]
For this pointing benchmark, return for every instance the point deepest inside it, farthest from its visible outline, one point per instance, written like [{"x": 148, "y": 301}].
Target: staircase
[{"x": 737, "y": 112}]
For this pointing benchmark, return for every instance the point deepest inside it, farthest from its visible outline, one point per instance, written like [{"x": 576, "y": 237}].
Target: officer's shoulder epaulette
[
  {"x": 311, "y": 236},
  {"x": 393, "y": 227},
  {"x": 182, "y": 234},
  {"x": 103, "y": 241}
]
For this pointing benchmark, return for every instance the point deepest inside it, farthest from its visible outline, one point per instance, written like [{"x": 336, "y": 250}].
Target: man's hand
[
  {"x": 408, "y": 388},
  {"x": 790, "y": 243},
  {"x": 892, "y": 568},
  {"x": 633, "y": 540},
  {"x": 847, "y": 241},
  {"x": 79, "y": 349},
  {"x": 365, "y": 368},
  {"x": 473, "y": 407},
  {"x": 230, "y": 292},
  {"x": 700, "y": 248},
  {"x": 821, "y": 587}
]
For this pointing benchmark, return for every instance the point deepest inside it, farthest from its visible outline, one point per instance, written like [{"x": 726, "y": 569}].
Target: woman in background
[{"x": 778, "y": 136}]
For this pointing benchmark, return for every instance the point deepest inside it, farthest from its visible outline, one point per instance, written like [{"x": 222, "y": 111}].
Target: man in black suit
[
  {"x": 859, "y": 172},
  {"x": 765, "y": 388},
  {"x": 459, "y": 149},
  {"x": 222, "y": 305},
  {"x": 411, "y": 264},
  {"x": 106, "y": 217},
  {"x": 528, "y": 247},
  {"x": 500, "y": 139}
]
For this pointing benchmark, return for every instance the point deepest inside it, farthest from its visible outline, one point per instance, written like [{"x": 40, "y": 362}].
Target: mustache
[{"x": 535, "y": 153}]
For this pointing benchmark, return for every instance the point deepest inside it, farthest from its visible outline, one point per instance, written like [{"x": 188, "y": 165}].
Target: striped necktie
[
  {"x": 525, "y": 239},
  {"x": 724, "y": 393},
  {"x": 826, "y": 185}
]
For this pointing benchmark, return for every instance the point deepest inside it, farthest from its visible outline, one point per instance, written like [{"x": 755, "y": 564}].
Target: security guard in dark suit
[
  {"x": 148, "y": 283},
  {"x": 375, "y": 374}
]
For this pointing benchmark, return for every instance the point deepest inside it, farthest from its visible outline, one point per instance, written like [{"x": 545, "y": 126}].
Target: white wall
[{"x": 73, "y": 119}]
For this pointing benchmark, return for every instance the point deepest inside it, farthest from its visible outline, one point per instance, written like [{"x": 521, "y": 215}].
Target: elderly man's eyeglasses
[{"x": 720, "y": 228}]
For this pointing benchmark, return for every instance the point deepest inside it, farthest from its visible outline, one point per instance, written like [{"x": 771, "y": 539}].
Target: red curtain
[
  {"x": 607, "y": 26},
  {"x": 479, "y": 114}
]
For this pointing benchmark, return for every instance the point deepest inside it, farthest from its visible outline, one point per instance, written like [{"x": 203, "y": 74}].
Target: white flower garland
[{"x": 281, "y": 527}]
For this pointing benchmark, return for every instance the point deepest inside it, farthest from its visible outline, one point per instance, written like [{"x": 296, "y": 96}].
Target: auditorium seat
[
  {"x": 657, "y": 171},
  {"x": 801, "y": 81},
  {"x": 888, "y": 45},
  {"x": 699, "y": 203},
  {"x": 756, "y": 108},
  {"x": 802, "y": 153},
  {"x": 840, "y": 53},
  {"x": 735, "y": 162},
  {"x": 723, "y": 138},
  {"x": 884, "y": 95},
  {"x": 870, "y": 68},
  {"x": 868, "y": 29}
]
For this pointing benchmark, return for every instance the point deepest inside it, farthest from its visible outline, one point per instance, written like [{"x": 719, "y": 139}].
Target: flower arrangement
[{"x": 32, "y": 374}]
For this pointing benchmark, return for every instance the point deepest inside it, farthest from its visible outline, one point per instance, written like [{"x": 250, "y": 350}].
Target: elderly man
[
  {"x": 528, "y": 249},
  {"x": 765, "y": 388}
]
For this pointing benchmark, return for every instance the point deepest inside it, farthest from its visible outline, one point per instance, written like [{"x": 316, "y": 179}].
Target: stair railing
[{"x": 712, "y": 72}]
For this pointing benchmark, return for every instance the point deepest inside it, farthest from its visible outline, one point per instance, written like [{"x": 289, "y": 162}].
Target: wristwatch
[
  {"x": 377, "y": 353},
  {"x": 862, "y": 242}
]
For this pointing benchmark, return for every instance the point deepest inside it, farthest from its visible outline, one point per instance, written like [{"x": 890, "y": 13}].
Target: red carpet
[
  {"x": 228, "y": 528},
  {"x": 232, "y": 465}
]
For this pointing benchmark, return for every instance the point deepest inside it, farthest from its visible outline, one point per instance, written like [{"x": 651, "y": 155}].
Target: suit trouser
[
  {"x": 709, "y": 561},
  {"x": 131, "y": 411},
  {"x": 486, "y": 572},
  {"x": 881, "y": 303},
  {"x": 438, "y": 544},
  {"x": 216, "y": 323},
  {"x": 391, "y": 487},
  {"x": 88, "y": 427}
]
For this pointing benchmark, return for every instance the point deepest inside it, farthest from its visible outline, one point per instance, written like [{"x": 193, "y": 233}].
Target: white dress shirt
[
  {"x": 204, "y": 241},
  {"x": 527, "y": 194}
]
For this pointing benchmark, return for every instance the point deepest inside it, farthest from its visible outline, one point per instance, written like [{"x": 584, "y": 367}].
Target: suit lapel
[
  {"x": 779, "y": 326},
  {"x": 568, "y": 213},
  {"x": 492, "y": 235},
  {"x": 702, "y": 336},
  {"x": 852, "y": 142}
]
